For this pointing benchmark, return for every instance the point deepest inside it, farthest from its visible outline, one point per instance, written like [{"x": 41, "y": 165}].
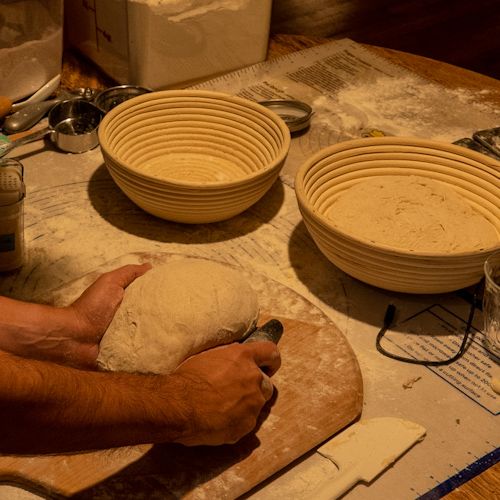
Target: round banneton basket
[
  {"x": 322, "y": 177},
  {"x": 193, "y": 156}
]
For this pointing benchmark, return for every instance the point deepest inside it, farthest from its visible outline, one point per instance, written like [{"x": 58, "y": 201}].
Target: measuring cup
[
  {"x": 33, "y": 113},
  {"x": 107, "y": 99},
  {"x": 72, "y": 127}
]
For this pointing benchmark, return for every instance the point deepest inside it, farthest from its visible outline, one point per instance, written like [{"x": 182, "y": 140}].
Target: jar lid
[
  {"x": 12, "y": 187},
  {"x": 296, "y": 114}
]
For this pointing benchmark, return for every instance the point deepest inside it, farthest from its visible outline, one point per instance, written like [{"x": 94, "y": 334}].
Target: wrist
[{"x": 171, "y": 413}]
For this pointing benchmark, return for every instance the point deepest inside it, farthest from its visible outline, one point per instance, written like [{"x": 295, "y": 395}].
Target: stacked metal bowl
[
  {"x": 193, "y": 156},
  {"x": 323, "y": 177}
]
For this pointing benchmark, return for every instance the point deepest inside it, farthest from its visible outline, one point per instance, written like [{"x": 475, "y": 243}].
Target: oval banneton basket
[
  {"x": 322, "y": 177},
  {"x": 193, "y": 156}
]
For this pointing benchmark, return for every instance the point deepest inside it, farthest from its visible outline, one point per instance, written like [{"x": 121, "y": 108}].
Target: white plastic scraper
[{"x": 364, "y": 450}]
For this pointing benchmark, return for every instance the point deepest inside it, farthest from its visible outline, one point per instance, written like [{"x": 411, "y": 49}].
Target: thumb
[
  {"x": 125, "y": 275},
  {"x": 267, "y": 387},
  {"x": 265, "y": 354}
]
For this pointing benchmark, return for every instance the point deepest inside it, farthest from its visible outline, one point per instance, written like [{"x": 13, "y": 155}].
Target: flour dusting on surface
[{"x": 405, "y": 106}]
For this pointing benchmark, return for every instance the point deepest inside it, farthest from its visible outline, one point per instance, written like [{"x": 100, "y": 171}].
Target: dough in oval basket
[
  {"x": 412, "y": 213},
  {"x": 176, "y": 310}
]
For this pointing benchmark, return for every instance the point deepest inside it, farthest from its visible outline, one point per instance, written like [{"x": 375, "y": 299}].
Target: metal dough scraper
[
  {"x": 270, "y": 331},
  {"x": 364, "y": 450}
]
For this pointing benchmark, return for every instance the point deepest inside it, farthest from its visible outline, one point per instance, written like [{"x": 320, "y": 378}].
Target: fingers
[
  {"x": 228, "y": 388},
  {"x": 266, "y": 355}
]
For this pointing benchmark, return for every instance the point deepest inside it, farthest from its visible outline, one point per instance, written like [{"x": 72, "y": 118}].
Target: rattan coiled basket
[
  {"x": 193, "y": 156},
  {"x": 322, "y": 177}
]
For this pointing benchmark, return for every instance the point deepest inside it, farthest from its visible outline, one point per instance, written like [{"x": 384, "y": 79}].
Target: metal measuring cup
[
  {"x": 72, "y": 127},
  {"x": 109, "y": 98}
]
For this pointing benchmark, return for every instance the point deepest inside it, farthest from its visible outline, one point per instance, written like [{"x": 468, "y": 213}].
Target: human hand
[
  {"x": 91, "y": 314},
  {"x": 67, "y": 335},
  {"x": 224, "y": 390}
]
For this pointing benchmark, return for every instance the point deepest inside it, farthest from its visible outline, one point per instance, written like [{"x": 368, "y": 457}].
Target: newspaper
[
  {"x": 355, "y": 93},
  {"x": 77, "y": 220}
]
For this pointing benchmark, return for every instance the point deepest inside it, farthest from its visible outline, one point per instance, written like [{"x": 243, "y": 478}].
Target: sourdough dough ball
[
  {"x": 412, "y": 213},
  {"x": 174, "y": 311}
]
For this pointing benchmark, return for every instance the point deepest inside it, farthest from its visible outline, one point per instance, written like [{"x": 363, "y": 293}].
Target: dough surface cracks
[{"x": 412, "y": 213}]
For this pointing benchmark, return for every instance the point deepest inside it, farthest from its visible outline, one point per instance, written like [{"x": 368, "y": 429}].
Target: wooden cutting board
[{"x": 318, "y": 393}]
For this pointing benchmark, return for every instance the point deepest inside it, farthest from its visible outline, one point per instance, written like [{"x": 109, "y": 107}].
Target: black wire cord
[{"x": 390, "y": 314}]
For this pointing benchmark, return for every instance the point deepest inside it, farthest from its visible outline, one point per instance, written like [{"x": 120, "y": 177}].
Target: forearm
[
  {"x": 45, "y": 407},
  {"x": 29, "y": 329},
  {"x": 67, "y": 335}
]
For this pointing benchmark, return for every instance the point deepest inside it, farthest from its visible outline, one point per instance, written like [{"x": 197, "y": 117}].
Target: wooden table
[{"x": 78, "y": 72}]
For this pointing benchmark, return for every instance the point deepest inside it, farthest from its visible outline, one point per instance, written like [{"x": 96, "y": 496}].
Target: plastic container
[
  {"x": 166, "y": 43},
  {"x": 30, "y": 45},
  {"x": 12, "y": 192}
]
